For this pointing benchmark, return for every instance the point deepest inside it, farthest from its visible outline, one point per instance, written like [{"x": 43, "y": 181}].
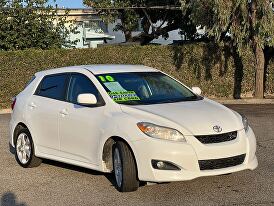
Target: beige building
[{"x": 91, "y": 29}]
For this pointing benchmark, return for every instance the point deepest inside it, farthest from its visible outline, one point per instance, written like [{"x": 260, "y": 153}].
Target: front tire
[
  {"x": 124, "y": 167},
  {"x": 24, "y": 149}
]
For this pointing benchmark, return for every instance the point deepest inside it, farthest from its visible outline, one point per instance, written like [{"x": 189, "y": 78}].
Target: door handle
[
  {"x": 32, "y": 105},
  {"x": 64, "y": 112}
]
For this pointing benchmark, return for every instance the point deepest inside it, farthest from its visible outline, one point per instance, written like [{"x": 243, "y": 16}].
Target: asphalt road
[{"x": 59, "y": 184}]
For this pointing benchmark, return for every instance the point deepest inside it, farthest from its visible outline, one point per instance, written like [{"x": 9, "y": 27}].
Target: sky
[{"x": 68, "y": 3}]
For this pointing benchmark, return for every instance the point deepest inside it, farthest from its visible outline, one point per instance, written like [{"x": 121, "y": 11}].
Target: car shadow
[
  {"x": 11, "y": 149},
  {"x": 109, "y": 176},
  {"x": 71, "y": 167},
  {"x": 10, "y": 199}
]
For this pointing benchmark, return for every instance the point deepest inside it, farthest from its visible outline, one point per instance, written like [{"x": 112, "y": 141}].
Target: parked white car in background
[{"x": 132, "y": 120}]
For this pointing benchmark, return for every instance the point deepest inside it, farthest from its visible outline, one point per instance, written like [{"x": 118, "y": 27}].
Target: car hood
[{"x": 195, "y": 117}]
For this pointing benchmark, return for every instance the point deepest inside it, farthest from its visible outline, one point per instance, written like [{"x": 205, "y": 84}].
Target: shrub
[{"x": 215, "y": 69}]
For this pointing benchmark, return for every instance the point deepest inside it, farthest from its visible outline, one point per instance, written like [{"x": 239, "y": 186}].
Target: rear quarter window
[
  {"x": 53, "y": 86},
  {"x": 30, "y": 81}
]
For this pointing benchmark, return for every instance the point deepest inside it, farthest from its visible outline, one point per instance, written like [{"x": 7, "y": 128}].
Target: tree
[
  {"x": 248, "y": 23},
  {"x": 158, "y": 17},
  {"x": 32, "y": 24},
  {"x": 129, "y": 19},
  {"x": 164, "y": 18}
]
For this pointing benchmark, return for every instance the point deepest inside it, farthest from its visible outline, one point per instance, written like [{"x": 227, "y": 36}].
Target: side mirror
[
  {"x": 87, "y": 99},
  {"x": 197, "y": 90}
]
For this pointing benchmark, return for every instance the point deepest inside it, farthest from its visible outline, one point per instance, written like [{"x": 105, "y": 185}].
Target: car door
[
  {"x": 81, "y": 126},
  {"x": 42, "y": 113}
]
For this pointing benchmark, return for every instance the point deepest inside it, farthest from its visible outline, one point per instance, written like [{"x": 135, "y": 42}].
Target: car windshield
[{"x": 137, "y": 88}]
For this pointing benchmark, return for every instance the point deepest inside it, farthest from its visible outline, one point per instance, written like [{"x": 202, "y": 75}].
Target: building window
[{"x": 96, "y": 26}]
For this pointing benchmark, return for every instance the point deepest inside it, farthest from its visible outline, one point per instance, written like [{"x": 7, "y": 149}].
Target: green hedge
[{"x": 205, "y": 65}]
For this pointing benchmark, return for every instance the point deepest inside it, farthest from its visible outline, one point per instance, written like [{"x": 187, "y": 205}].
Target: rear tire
[
  {"x": 24, "y": 149},
  {"x": 124, "y": 167}
]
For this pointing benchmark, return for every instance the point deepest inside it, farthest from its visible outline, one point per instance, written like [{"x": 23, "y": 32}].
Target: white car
[{"x": 132, "y": 120}]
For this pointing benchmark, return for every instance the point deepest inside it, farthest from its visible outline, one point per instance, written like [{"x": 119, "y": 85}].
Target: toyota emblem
[{"x": 217, "y": 128}]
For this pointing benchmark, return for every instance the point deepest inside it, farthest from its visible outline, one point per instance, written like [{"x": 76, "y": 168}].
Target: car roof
[{"x": 101, "y": 69}]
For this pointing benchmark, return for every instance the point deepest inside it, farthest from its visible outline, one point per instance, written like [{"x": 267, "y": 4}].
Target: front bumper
[{"x": 187, "y": 155}]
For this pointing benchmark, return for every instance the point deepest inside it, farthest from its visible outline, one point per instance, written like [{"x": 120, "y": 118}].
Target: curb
[
  {"x": 5, "y": 111},
  {"x": 222, "y": 101},
  {"x": 244, "y": 101}
]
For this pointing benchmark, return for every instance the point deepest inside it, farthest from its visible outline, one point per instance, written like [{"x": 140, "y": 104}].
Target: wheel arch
[
  {"x": 106, "y": 156},
  {"x": 16, "y": 130}
]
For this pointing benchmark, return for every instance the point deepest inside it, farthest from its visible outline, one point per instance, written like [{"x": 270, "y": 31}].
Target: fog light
[
  {"x": 163, "y": 165},
  {"x": 160, "y": 165}
]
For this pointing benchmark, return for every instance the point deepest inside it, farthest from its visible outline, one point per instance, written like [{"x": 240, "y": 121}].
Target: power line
[{"x": 140, "y": 7}]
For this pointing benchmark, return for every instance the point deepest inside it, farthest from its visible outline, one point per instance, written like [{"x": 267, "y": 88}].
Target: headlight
[
  {"x": 160, "y": 132},
  {"x": 245, "y": 123}
]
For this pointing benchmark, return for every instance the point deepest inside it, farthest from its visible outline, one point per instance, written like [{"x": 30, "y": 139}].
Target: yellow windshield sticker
[{"x": 124, "y": 96}]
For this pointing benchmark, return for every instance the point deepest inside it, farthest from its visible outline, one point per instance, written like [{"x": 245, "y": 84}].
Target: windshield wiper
[
  {"x": 132, "y": 102},
  {"x": 192, "y": 98}
]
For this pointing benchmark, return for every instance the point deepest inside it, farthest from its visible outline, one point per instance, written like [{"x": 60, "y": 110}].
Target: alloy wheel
[{"x": 23, "y": 148}]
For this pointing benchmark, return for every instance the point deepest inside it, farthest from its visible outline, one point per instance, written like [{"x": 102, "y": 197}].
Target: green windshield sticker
[
  {"x": 106, "y": 78},
  {"x": 114, "y": 87},
  {"x": 109, "y": 78},
  {"x": 123, "y": 96},
  {"x": 102, "y": 79}
]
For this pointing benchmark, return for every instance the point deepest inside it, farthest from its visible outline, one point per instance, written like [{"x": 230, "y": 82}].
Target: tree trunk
[
  {"x": 128, "y": 36},
  {"x": 258, "y": 53},
  {"x": 125, "y": 30},
  {"x": 144, "y": 38},
  {"x": 259, "y": 65}
]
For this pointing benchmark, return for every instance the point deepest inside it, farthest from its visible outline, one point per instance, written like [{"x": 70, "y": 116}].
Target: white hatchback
[{"x": 132, "y": 120}]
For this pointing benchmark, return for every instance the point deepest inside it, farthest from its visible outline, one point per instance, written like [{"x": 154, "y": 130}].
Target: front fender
[{"x": 123, "y": 126}]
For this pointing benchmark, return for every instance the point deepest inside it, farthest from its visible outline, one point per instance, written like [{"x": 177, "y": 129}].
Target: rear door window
[{"x": 53, "y": 86}]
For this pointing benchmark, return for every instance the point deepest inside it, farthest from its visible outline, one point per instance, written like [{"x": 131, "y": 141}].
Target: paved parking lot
[{"x": 59, "y": 184}]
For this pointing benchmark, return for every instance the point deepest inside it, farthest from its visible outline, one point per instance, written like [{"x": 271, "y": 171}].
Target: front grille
[
  {"x": 217, "y": 138},
  {"x": 221, "y": 163}
]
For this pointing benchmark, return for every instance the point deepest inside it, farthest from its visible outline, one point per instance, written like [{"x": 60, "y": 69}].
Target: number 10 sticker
[{"x": 106, "y": 78}]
